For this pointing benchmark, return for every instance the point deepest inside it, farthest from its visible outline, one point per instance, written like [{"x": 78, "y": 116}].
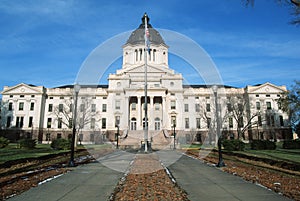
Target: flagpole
[{"x": 146, "y": 101}]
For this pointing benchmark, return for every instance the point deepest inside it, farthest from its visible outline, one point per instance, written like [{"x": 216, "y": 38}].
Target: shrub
[
  {"x": 61, "y": 144},
  {"x": 3, "y": 142},
  {"x": 262, "y": 144},
  {"x": 233, "y": 145},
  {"x": 27, "y": 143},
  {"x": 291, "y": 144}
]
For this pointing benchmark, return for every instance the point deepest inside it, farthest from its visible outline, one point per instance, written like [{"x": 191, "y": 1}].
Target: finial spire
[{"x": 143, "y": 19}]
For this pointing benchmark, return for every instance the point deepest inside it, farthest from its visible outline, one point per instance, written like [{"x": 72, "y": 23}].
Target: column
[
  {"x": 139, "y": 119},
  {"x": 125, "y": 123},
  {"x": 164, "y": 113},
  {"x": 151, "y": 117}
]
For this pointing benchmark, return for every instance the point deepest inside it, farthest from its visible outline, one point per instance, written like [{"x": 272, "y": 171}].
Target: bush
[
  {"x": 27, "y": 143},
  {"x": 61, "y": 144},
  {"x": 3, "y": 142},
  {"x": 291, "y": 144},
  {"x": 263, "y": 144},
  {"x": 233, "y": 145}
]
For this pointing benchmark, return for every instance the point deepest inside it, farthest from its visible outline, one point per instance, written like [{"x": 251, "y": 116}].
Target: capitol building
[{"x": 45, "y": 114}]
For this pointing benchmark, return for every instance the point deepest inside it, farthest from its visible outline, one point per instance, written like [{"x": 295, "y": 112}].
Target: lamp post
[
  {"x": 118, "y": 133},
  {"x": 221, "y": 162},
  {"x": 76, "y": 90},
  {"x": 174, "y": 133}
]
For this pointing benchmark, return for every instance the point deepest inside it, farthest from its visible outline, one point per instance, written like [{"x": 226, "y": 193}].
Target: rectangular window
[
  {"x": 81, "y": 122},
  {"x": 70, "y": 123},
  {"x": 198, "y": 124},
  {"x": 258, "y": 105},
  {"x": 93, "y": 107},
  {"x": 60, "y": 107},
  {"x": 104, "y": 107},
  {"x": 133, "y": 106},
  {"x": 272, "y": 118},
  {"x": 71, "y": 107},
  {"x": 21, "y": 122},
  {"x": 31, "y": 106},
  {"x": 118, "y": 104},
  {"x": 117, "y": 121},
  {"x": 50, "y": 108},
  {"x": 186, "y": 107},
  {"x": 268, "y": 105},
  {"x": 173, "y": 105},
  {"x": 157, "y": 106},
  {"x": 17, "y": 122},
  {"x": 241, "y": 122},
  {"x": 207, "y": 107},
  {"x": 197, "y": 107},
  {"x": 82, "y": 107},
  {"x": 93, "y": 121},
  {"x": 8, "y": 121},
  {"x": 10, "y": 106},
  {"x": 21, "y": 106},
  {"x": 187, "y": 123},
  {"x": 259, "y": 121},
  {"x": 230, "y": 122},
  {"x": 49, "y": 120},
  {"x": 281, "y": 120},
  {"x": 103, "y": 123},
  {"x": 59, "y": 123},
  {"x": 208, "y": 122},
  {"x": 30, "y": 122},
  {"x": 229, "y": 107}
]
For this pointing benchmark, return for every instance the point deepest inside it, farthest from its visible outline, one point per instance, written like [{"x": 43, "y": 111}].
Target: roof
[
  {"x": 138, "y": 36},
  {"x": 83, "y": 86},
  {"x": 206, "y": 86}
]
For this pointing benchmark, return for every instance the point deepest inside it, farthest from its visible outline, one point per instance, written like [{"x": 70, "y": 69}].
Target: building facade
[{"x": 46, "y": 113}]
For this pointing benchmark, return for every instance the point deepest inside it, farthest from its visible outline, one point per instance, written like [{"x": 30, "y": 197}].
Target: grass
[{"x": 13, "y": 152}]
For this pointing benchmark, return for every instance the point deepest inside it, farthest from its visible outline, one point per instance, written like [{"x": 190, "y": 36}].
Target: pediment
[
  {"x": 22, "y": 89},
  {"x": 150, "y": 69},
  {"x": 267, "y": 88}
]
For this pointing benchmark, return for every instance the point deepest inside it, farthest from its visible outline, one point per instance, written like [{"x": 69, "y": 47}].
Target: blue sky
[{"x": 45, "y": 42}]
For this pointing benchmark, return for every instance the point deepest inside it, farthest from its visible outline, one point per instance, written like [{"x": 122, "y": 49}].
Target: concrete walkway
[
  {"x": 203, "y": 182},
  {"x": 96, "y": 181}
]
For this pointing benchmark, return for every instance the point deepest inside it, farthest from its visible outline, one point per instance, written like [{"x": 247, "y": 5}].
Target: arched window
[
  {"x": 133, "y": 123},
  {"x": 157, "y": 123}
]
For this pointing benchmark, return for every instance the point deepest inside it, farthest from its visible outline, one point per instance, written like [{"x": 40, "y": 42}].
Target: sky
[{"x": 44, "y": 43}]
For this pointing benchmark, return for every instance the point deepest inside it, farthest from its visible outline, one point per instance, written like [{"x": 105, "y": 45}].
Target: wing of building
[{"x": 46, "y": 113}]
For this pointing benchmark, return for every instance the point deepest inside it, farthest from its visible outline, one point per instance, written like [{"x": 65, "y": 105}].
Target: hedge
[
  {"x": 61, "y": 144},
  {"x": 233, "y": 145},
  {"x": 291, "y": 144},
  {"x": 263, "y": 144},
  {"x": 27, "y": 143},
  {"x": 3, "y": 142}
]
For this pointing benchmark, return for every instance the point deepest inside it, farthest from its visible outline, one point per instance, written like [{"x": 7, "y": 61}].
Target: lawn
[{"x": 12, "y": 152}]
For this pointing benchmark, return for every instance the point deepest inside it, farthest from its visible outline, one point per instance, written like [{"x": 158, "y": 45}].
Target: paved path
[
  {"x": 203, "y": 182},
  {"x": 89, "y": 182},
  {"x": 96, "y": 181}
]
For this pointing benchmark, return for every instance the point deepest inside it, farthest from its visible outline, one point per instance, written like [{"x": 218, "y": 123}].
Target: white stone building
[{"x": 46, "y": 113}]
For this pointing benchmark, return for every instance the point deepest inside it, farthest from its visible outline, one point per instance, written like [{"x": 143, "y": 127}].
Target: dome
[{"x": 138, "y": 36}]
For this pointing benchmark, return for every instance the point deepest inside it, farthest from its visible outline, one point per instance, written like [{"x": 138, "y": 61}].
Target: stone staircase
[{"x": 134, "y": 138}]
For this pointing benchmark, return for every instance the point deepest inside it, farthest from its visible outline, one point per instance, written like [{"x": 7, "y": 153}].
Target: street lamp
[
  {"x": 174, "y": 133},
  {"x": 221, "y": 162},
  {"x": 76, "y": 90},
  {"x": 118, "y": 133}
]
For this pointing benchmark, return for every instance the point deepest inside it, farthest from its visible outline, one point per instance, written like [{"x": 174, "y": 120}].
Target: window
[
  {"x": 93, "y": 107},
  {"x": 59, "y": 123},
  {"x": 22, "y": 96},
  {"x": 117, "y": 121},
  {"x": 30, "y": 122},
  {"x": 49, "y": 120},
  {"x": 133, "y": 106},
  {"x": 61, "y": 97},
  {"x": 157, "y": 106},
  {"x": 171, "y": 84},
  {"x": 172, "y": 94},
  {"x": 11, "y": 96},
  {"x": 32, "y": 96},
  {"x": 198, "y": 125},
  {"x": 197, "y": 107},
  {"x": 272, "y": 118},
  {"x": 258, "y": 105},
  {"x": 187, "y": 123},
  {"x": 104, "y": 97},
  {"x": 230, "y": 122},
  {"x": 50, "y": 108},
  {"x": 207, "y": 107},
  {"x": 241, "y": 122},
  {"x": 51, "y": 97},
  {"x": 92, "y": 137},
  {"x": 157, "y": 124},
  {"x": 197, "y": 97},
  {"x": 82, "y": 107},
  {"x": 103, "y": 107},
  {"x": 10, "y": 106},
  {"x": 268, "y": 105},
  {"x": 93, "y": 121},
  {"x": 8, "y": 121},
  {"x": 81, "y": 123},
  {"x": 186, "y": 107},
  {"x": 70, "y": 123},
  {"x": 256, "y": 95},
  {"x": 281, "y": 120},
  {"x": 268, "y": 95},
  {"x": 58, "y": 136},
  {"x": 60, "y": 107},
  {"x": 229, "y": 107},
  {"x": 173, "y": 121},
  {"x": 103, "y": 123},
  {"x": 31, "y": 106},
  {"x": 21, "y": 106},
  {"x": 118, "y": 103},
  {"x": 133, "y": 123},
  {"x": 173, "y": 105},
  {"x": 20, "y": 122},
  {"x": 208, "y": 122},
  {"x": 71, "y": 107},
  {"x": 259, "y": 121}
]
